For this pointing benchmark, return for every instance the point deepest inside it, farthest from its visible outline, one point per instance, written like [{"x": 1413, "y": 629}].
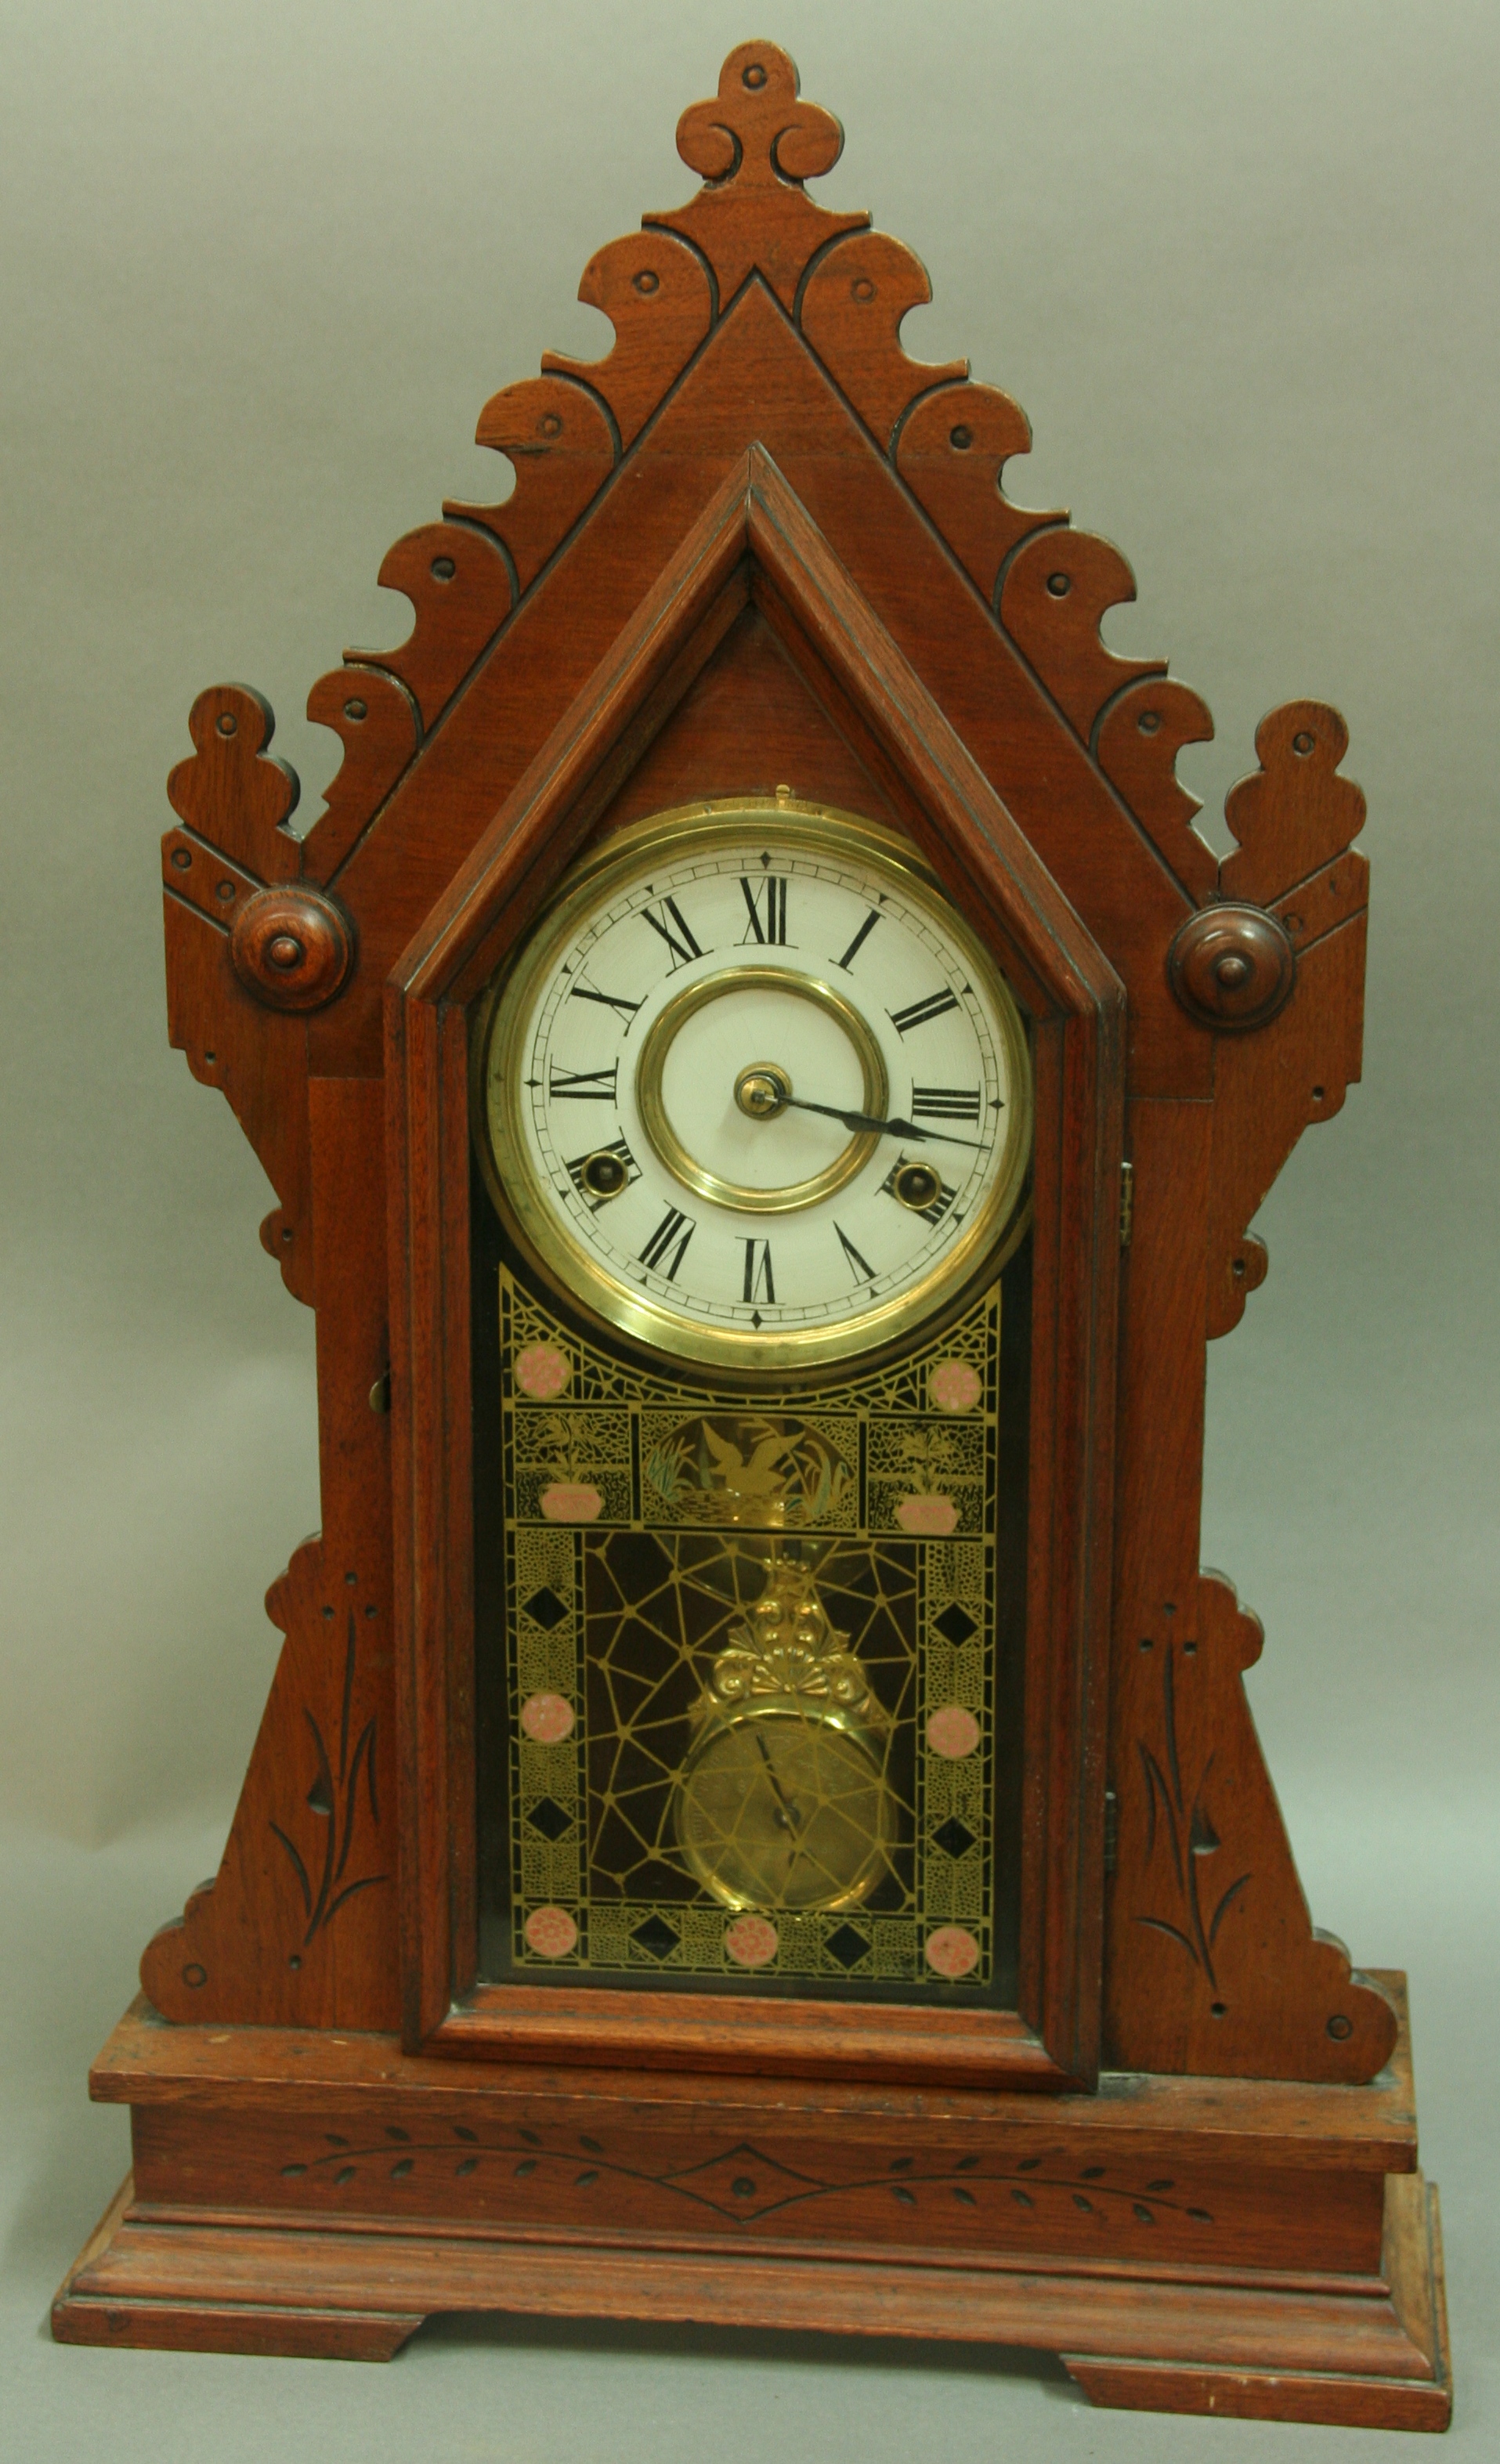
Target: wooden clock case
[{"x": 757, "y": 546}]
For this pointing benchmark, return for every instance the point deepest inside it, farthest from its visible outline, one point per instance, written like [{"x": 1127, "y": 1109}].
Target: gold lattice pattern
[{"x": 750, "y": 1665}]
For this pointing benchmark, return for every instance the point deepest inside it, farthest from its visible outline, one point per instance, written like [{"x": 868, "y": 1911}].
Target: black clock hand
[
  {"x": 881, "y": 1129},
  {"x": 790, "y": 1814}
]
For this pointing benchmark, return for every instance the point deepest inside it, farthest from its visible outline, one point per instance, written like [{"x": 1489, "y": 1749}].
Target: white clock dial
[{"x": 753, "y": 1090}]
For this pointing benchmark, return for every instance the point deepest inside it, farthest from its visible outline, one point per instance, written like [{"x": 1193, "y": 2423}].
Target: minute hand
[{"x": 882, "y": 1129}]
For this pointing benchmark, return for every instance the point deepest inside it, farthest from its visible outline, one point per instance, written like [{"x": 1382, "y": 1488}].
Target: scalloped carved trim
[
  {"x": 557, "y": 438},
  {"x": 231, "y": 790},
  {"x": 753, "y": 146},
  {"x": 375, "y": 718},
  {"x": 853, "y": 305},
  {"x": 1219, "y": 1969},
  {"x": 1052, "y": 599},
  {"x": 459, "y": 586},
  {"x": 951, "y": 451},
  {"x": 656, "y": 295},
  {"x": 1294, "y": 814},
  {"x": 1139, "y": 739}
]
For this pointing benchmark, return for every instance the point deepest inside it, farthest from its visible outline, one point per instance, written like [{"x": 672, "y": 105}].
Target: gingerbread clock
[{"x": 765, "y": 1090}]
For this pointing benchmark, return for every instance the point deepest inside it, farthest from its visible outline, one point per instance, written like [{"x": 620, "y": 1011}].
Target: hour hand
[{"x": 880, "y": 1129}]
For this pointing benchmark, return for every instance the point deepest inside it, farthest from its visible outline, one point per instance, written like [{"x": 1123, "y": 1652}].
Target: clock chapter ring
[{"x": 669, "y": 1147}]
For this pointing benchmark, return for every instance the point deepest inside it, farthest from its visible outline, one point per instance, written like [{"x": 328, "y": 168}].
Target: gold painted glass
[{"x": 744, "y": 1666}]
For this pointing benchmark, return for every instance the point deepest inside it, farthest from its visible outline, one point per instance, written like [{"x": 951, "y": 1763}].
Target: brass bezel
[
  {"x": 670, "y": 1149},
  {"x": 504, "y": 1012}
]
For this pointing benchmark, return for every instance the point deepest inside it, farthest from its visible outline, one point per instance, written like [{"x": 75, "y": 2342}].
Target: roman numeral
[
  {"x": 582, "y": 1086},
  {"x": 864, "y": 1271},
  {"x": 683, "y": 950},
  {"x": 654, "y": 1252},
  {"x": 626, "y": 1009},
  {"x": 759, "y": 1282},
  {"x": 772, "y": 927},
  {"x": 859, "y": 940},
  {"x": 945, "y": 1104},
  {"x": 919, "y": 1012}
]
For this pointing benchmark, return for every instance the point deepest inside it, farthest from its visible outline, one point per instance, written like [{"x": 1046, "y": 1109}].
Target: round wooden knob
[
  {"x": 292, "y": 947},
  {"x": 1232, "y": 966}
]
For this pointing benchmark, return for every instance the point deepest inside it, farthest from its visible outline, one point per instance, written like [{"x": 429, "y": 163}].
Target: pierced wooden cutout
[{"x": 755, "y": 543}]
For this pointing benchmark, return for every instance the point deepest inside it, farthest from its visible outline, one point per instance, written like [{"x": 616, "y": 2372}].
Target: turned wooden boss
[
  {"x": 1232, "y": 966},
  {"x": 292, "y": 947}
]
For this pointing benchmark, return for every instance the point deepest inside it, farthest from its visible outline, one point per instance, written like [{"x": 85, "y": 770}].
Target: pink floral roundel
[
  {"x": 955, "y": 1386},
  {"x": 951, "y": 1731},
  {"x": 925, "y": 1517},
  {"x": 952, "y": 1951},
  {"x": 571, "y": 1501},
  {"x": 541, "y": 1371},
  {"x": 552, "y": 1934},
  {"x": 548, "y": 1719},
  {"x": 751, "y": 1940}
]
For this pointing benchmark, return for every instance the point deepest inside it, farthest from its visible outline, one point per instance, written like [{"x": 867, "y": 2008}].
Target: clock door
[
  {"x": 779, "y": 1132},
  {"x": 750, "y": 1489}
]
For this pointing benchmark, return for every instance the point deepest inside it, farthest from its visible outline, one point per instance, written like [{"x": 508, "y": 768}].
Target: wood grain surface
[{"x": 757, "y": 544}]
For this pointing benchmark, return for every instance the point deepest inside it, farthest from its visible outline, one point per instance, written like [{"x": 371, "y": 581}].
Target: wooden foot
[
  {"x": 1262, "y": 2395},
  {"x": 1413, "y": 2272},
  {"x": 83, "y": 2316}
]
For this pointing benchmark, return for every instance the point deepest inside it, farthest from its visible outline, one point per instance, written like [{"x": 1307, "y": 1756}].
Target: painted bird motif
[{"x": 756, "y": 1478}]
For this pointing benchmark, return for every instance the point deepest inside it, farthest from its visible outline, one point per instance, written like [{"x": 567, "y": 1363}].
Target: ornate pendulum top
[{"x": 786, "y": 1647}]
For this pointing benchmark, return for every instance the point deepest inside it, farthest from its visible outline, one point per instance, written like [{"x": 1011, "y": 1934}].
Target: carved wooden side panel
[
  {"x": 1213, "y": 1961},
  {"x": 1216, "y": 1966},
  {"x": 1294, "y": 819},
  {"x": 233, "y": 799},
  {"x": 299, "y": 1926}
]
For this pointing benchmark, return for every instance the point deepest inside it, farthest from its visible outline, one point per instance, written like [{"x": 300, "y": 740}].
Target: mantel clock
[{"x": 766, "y": 1090}]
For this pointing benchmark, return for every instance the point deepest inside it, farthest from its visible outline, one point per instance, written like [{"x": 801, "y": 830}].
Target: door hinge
[{"x": 1127, "y": 1201}]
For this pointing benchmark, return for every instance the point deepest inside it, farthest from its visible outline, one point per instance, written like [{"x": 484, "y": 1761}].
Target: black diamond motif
[
  {"x": 550, "y": 1818},
  {"x": 952, "y": 1837},
  {"x": 545, "y": 1607},
  {"x": 656, "y": 1936},
  {"x": 955, "y": 1625},
  {"x": 845, "y": 1945}
]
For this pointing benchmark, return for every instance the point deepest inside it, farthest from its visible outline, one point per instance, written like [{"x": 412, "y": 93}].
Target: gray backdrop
[{"x": 262, "y": 267}]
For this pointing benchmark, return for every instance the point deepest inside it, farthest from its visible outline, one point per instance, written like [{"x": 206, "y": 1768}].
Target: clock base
[{"x": 1244, "y": 2247}]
